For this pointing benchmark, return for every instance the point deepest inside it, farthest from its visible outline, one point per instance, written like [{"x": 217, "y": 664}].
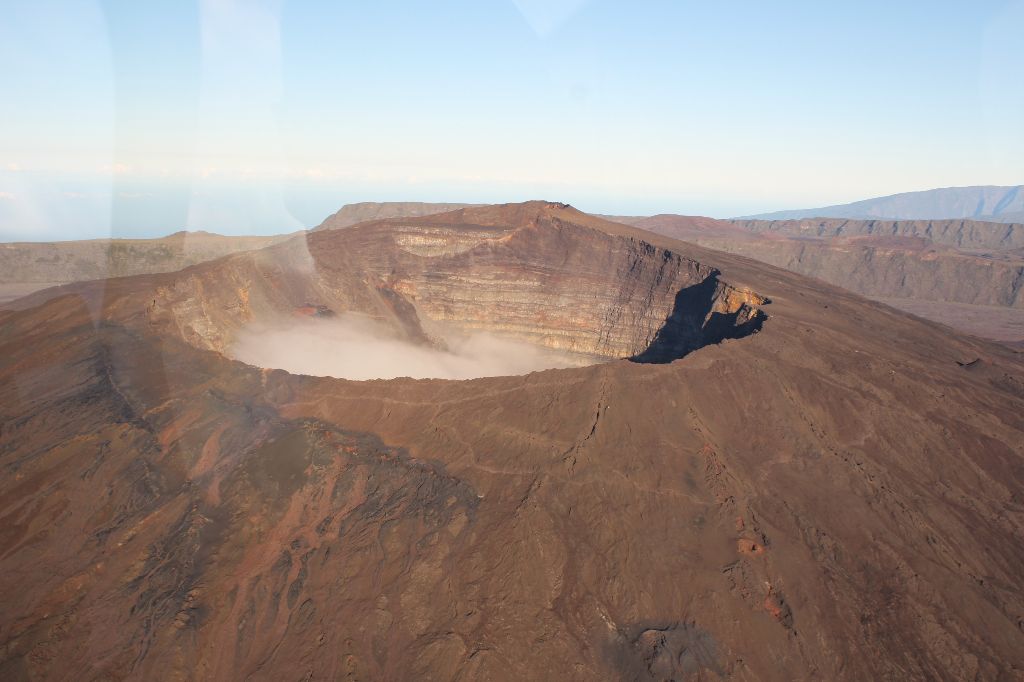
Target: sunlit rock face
[{"x": 544, "y": 280}]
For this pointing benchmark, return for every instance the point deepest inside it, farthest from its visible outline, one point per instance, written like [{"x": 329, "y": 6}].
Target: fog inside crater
[{"x": 355, "y": 347}]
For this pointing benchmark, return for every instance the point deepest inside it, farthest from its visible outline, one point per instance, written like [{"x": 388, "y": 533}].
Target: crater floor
[{"x": 359, "y": 348}]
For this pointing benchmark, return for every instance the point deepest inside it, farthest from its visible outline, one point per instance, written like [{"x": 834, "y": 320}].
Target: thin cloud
[{"x": 353, "y": 347}]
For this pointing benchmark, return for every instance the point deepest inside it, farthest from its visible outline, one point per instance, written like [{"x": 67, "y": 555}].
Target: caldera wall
[{"x": 549, "y": 282}]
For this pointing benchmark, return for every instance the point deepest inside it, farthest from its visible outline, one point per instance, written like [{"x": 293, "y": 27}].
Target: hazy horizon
[{"x": 263, "y": 117}]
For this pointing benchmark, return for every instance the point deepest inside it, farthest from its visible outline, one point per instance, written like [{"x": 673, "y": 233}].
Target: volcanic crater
[
  {"x": 500, "y": 297},
  {"x": 835, "y": 497}
]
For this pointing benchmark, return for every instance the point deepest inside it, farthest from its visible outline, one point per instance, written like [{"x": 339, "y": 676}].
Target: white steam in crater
[{"x": 354, "y": 347}]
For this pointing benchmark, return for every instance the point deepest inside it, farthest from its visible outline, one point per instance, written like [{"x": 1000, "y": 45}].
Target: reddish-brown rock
[{"x": 837, "y": 496}]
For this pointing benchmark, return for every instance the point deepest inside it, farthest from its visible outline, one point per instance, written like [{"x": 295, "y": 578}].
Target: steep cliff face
[
  {"x": 547, "y": 281},
  {"x": 962, "y": 234},
  {"x": 893, "y": 271}
]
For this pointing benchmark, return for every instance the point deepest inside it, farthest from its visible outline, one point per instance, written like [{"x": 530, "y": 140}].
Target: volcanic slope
[
  {"x": 30, "y": 266},
  {"x": 817, "y": 487}
]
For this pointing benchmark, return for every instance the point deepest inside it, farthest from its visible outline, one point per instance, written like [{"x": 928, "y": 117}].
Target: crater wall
[{"x": 551, "y": 283}]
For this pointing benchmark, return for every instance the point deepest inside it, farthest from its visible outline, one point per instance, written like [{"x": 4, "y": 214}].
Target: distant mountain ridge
[
  {"x": 958, "y": 233},
  {"x": 352, "y": 214},
  {"x": 29, "y": 266},
  {"x": 984, "y": 202}
]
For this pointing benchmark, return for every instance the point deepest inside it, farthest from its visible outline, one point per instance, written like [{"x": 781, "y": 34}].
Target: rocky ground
[{"x": 833, "y": 491}]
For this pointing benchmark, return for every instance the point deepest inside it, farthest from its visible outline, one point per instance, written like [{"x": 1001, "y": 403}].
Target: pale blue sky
[{"x": 142, "y": 118}]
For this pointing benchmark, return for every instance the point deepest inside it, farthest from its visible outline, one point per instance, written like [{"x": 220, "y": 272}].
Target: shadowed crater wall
[{"x": 699, "y": 318}]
